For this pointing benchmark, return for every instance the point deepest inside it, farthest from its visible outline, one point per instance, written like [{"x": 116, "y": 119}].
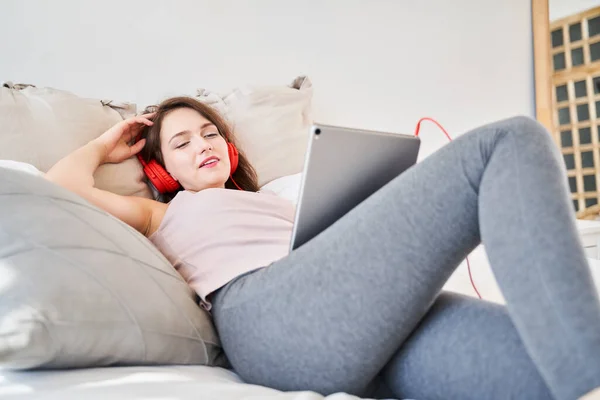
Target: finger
[
  {"x": 134, "y": 131},
  {"x": 135, "y": 121},
  {"x": 120, "y": 129},
  {"x": 132, "y": 134},
  {"x": 143, "y": 120},
  {"x": 138, "y": 146}
]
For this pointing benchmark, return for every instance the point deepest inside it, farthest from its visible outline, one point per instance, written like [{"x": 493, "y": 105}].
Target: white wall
[
  {"x": 564, "y": 8},
  {"x": 375, "y": 64}
]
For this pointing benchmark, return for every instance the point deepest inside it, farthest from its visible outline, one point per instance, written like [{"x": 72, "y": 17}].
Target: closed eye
[
  {"x": 212, "y": 135},
  {"x": 182, "y": 145}
]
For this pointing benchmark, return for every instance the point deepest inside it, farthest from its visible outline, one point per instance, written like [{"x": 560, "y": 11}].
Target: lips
[{"x": 207, "y": 160}]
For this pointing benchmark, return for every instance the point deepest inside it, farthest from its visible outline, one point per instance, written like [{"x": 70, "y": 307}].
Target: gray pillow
[{"x": 79, "y": 288}]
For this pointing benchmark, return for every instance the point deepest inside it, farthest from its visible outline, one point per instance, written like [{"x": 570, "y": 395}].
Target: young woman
[{"x": 360, "y": 305}]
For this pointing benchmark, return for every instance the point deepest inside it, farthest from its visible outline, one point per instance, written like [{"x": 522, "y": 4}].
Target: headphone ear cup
[
  {"x": 157, "y": 175},
  {"x": 233, "y": 157},
  {"x": 160, "y": 178}
]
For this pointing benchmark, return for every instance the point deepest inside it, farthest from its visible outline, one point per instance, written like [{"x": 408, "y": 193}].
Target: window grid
[{"x": 573, "y": 107}]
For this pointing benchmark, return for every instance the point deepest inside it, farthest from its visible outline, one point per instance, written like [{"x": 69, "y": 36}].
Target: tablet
[{"x": 342, "y": 167}]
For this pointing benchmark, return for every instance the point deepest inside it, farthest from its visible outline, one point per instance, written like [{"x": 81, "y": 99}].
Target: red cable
[
  {"x": 435, "y": 122},
  {"x": 417, "y": 129},
  {"x": 471, "y": 278}
]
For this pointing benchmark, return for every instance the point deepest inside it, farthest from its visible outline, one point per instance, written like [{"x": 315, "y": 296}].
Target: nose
[{"x": 200, "y": 144}]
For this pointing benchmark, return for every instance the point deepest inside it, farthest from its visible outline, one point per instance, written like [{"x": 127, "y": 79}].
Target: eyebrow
[{"x": 187, "y": 131}]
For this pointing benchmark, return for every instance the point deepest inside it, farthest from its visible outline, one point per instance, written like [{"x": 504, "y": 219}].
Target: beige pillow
[
  {"x": 271, "y": 124},
  {"x": 39, "y": 126}
]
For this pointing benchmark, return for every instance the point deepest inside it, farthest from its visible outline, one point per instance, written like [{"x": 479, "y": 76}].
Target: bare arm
[{"x": 75, "y": 172}]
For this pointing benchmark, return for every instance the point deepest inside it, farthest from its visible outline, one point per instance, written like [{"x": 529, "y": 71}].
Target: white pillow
[
  {"x": 287, "y": 187},
  {"x": 20, "y": 166},
  {"x": 271, "y": 124},
  {"x": 80, "y": 288}
]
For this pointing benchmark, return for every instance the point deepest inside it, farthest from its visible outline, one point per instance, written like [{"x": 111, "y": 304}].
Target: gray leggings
[{"x": 359, "y": 308}]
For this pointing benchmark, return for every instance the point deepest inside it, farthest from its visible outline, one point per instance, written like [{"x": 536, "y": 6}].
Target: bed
[{"x": 279, "y": 174}]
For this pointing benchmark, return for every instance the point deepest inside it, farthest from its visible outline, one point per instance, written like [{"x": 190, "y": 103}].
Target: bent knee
[
  {"x": 527, "y": 127},
  {"x": 524, "y": 133}
]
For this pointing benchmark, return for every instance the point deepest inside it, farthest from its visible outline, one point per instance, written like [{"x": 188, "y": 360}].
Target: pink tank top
[{"x": 215, "y": 235}]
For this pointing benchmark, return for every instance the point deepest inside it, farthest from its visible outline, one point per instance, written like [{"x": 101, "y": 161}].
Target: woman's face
[{"x": 187, "y": 140}]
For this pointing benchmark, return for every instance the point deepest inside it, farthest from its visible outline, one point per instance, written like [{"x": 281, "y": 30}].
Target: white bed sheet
[{"x": 134, "y": 383}]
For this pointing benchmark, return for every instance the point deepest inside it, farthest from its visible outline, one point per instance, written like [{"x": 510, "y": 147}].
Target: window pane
[
  {"x": 580, "y": 89},
  {"x": 557, "y": 37},
  {"x": 598, "y": 109},
  {"x": 576, "y": 205},
  {"x": 577, "y": 56},
  {"x": 596, "y": 85},
  {"x": 573, "y": 184},
  {"x": 587, "y": 159},
  {"x": 569, "y": 161},
  {"x": 561, "y": 93},
  {"x": 595, "y": 51},
  {"x": 594, "y": 26},
  {"x": 585, "y": 135},
  {"x": 559, "y": 61},
  {"x": 590, "y": 202},
  {"x": 563, "y": 116},
  {"x": 589, "y": 183},
  {"x": 583, "y": 112},
  {"x": 566, "y": 138},
  {"x": 575, "y": 32}
]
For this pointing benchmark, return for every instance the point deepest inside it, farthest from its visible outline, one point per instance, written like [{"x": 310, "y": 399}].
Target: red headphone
[{"x": 165, "y": 183}]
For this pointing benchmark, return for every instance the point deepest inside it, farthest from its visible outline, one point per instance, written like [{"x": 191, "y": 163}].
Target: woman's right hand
[{"x": 115, "y": 141}]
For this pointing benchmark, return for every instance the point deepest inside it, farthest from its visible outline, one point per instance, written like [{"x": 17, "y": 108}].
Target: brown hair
[{"x": 244, "y": 175}]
